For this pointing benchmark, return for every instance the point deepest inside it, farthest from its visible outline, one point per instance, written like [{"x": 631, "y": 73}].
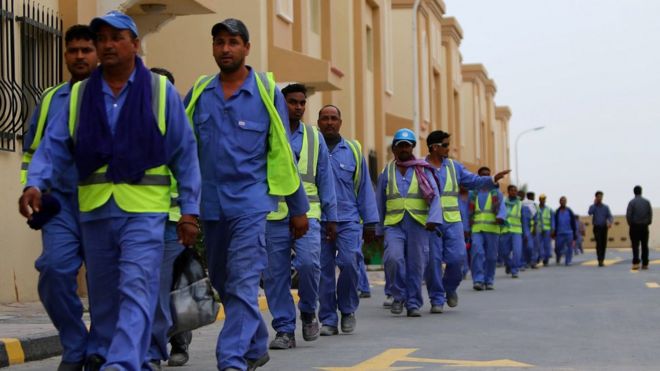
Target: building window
[{"x": 284, "y": 10}]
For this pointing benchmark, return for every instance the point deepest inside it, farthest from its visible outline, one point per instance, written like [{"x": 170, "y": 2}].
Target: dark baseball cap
[
  {"x": 115, "y": 19},
  {"x": 233, "y": 26}
]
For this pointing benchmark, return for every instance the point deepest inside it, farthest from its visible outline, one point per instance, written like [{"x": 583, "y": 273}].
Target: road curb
[{"x": 14, "y": 351}]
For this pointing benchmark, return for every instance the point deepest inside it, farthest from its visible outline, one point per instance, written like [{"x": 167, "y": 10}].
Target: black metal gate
[{"x": 40, "y": 58}]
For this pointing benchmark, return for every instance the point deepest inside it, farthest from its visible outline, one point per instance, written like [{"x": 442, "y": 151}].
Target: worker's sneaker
[
  {"x": 452, "y": 299},
  {"x": 283, "y": 340},
  {"x": 414, "y": 312},
  {"x": 437, "y": 308},
  {"x": 388, "y": 301},
  {"x": 478, "y": 286},
  {"x": 71, "y": 366},
  {"x": 365, "y": 294},
  {"x": 507, "y": 270},
  {"x": 645, "y": 266},
  {"x": 254, "y": 363},
  {"x": 397, "y": 307},
  {"x": 348, "y": 322},
  {"x": 533, "y": 266},
  {"x": 94, "y": 362},
  {"x": 155, "y": 365},
  {"x": 310, "y": 328},
  {"x": 329, "y": 330},
  {"x": 490, "y": 287},
  {"x": 545, "y": 262},
  {"x": 514, "y": 275},
  {"x": 635, "y": 267}
]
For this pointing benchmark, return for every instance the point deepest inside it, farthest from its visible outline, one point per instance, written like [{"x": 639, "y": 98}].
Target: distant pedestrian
[
  {"x": 602, "y": 221},
  {"x": 547, "y": 223},
  {"x": 565, "y": 232},
  {"x": 579, "y": 226},
  {"x": 639, "y": 216}
]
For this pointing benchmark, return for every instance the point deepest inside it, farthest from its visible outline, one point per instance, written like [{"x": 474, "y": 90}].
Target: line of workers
[{"x": 117, "y": 170}]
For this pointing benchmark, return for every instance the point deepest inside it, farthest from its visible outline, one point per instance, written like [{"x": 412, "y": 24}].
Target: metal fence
[{"x": 39, "y": 55}]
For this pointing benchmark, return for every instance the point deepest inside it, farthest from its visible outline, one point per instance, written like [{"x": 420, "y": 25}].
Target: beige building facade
[{"x": 387, "y": 64}]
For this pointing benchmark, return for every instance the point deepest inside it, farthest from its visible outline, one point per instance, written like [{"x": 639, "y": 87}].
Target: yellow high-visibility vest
[
  {"x": 307, "y": 166},
  {"x": 396, "y": 205},
  {"x": 449, "y": 196},
  {"x": 152, "y": 193},
  {"x": 485, "y": 220},
  {"x": 514, "y": 213},
  {"x": 46, "y": 98}
]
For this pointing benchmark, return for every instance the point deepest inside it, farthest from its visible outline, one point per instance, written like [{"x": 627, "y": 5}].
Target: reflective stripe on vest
[
  {"x": 46, "y": 98},
  {"x": 514, "y": 212},
  {"x": 396, "y": 205},
  {"x": 449, "y": 197},
  {"x": 281, "y": 172},
  {"x": 307, "y": 166},
  {"x": 356, "y": 148},
  {"x": 485, "y": 220},
  {"x": 546, "y": 216},
  {"x": 152, "y": 192}
]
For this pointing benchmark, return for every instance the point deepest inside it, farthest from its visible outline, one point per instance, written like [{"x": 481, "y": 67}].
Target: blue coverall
[
  {"x": 232, "y": 142},
  {"x": 448, "y": 246},
  {"x": 564, "y": 235},
  {"x": 123, "y": 251},
  {"x": 464, "y": 208},
  {"x": 62, "y": 253},
  {"x": 406, "y": 251},
  {"x": 277, "y": 276},
  {"x": 485, "y": 245},
  {"x": 511, "y": 243},
  {"x": 345, "y": 252}
]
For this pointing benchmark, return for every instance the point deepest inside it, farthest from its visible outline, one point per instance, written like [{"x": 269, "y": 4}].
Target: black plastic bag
[{"x": 191, "y": 299}]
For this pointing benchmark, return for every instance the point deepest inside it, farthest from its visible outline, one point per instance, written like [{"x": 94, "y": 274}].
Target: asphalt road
[{"x": 556, "y": 318}]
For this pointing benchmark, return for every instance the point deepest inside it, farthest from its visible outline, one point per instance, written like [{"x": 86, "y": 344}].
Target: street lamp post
[{"x": 516, "y": 148}]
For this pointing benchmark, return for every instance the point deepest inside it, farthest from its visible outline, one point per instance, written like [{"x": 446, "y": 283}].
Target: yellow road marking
[
  {"x": 655, "y": 262},
  {"x": 607, "y": 262},
  {"x": 653, "y": 285},
  {"x": 385, "y": 360},
  {"x": 263, "y": 305},
  {"x": 378, "y": 282},
  {"x": 14, "y": 350}
]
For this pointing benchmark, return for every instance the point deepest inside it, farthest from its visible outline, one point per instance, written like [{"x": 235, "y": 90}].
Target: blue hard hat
[{"x": 404, "y": 135}]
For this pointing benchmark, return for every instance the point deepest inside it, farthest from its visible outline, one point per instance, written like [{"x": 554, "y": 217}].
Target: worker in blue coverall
[
  {"x": 410, "y": 210},
  {"x": 565, "y": 232},
  {"x": 126, "y": 145},
  {"x": 547, "y": 223},
  {"x": 62, "y": 253},
  {"x": 239, "y": 119},
  {"x": 513, "y": 230},
  {"x": 532, "y": 239},
  {"x": 357, "y": 218},
  {"x": 318, "y": 177},
  {"x": 178, "y": 355},
  {"x": 488, "y": 213},
  {"x": 448, "y": 245}
]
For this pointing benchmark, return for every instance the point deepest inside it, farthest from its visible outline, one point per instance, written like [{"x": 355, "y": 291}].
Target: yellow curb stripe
[
  {"x": 652, "y": 285},
  {"x": 14, "y": 350},
  {"x": 263, "y": 305}
]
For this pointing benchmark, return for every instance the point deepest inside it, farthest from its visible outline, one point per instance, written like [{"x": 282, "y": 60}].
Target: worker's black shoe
[
  {"x": 397, "y": 307},
  {"x": 310, "y": 328},
  {"x": 94, "y": 362},
  {"x": 327, "y": 330},
  {"x": 452, "y": 299},
  {"x": 365, "y": 294},
  {"x": 71, "y": 366},
  {"x": 155, "y": 365},
  {"x": 414, "y": 312},
  {"x": 348, "y": 323},
  {"x": 507, "y": 269},
  {"x": 545, "y": 262},
  {"x": 254, "y": 363},
  {"x": 283, "y": 340}
]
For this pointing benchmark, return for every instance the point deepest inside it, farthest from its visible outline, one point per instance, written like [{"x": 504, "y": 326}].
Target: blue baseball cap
[
  {"x": 404, "y": 135},
  {"x": 115, "y": 19}
]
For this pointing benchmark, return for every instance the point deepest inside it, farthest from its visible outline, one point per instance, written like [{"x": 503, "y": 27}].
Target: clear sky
[{"x": 587, "y": 70}]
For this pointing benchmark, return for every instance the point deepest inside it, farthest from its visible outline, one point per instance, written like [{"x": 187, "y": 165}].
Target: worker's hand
[
  {"x": 368, "y": 235},
  {"x": 187, "y": 229},
  {"x": 431, "y": 226},
  {"x": 298, "y": 224},
  {"x": 29, "y": 202},
  {"x": 573, "y": 243},
  {"x": 330, "y": 231},
  {"x": 501, "y": 175},
  {"x": 499, "y": 221},
  {"x": 380, "y": 239}
]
